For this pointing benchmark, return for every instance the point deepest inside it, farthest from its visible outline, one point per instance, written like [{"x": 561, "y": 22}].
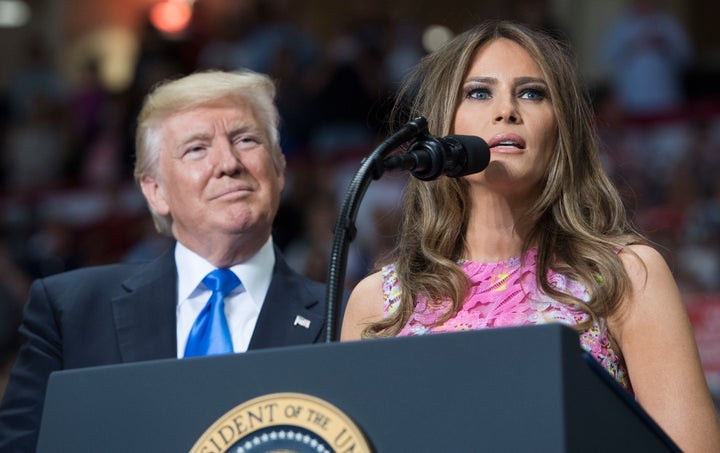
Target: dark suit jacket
[{"x": 126, "y": 313}]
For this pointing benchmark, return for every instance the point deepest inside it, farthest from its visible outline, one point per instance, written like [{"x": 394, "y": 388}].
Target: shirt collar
[{"x": 255, "y": 273}]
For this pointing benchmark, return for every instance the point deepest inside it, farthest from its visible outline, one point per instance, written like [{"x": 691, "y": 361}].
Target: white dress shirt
[{"x": 242, "y": 305}]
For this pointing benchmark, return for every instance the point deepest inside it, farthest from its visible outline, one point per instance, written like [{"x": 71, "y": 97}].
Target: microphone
[{"x": 428, "y": 157}]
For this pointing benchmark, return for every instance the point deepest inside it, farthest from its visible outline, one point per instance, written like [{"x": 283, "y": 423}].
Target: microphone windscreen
[{"x": 476, "y": 150}]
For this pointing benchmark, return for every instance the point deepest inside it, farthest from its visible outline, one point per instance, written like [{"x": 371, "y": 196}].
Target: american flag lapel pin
[{"x": 301, "y": 321}]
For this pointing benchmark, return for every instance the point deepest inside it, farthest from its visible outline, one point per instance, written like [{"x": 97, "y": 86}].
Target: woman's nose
[{"x": 507, "y": 111}]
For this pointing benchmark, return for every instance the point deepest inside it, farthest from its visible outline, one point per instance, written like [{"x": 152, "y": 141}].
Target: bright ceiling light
[
  {"x": 13, "y": 13},
  {"x": 171, "y": 16},
  {"x": 435, "y": 36}
]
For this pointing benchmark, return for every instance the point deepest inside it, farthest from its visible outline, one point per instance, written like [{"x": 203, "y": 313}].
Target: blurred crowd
[{"x": 68, "y": 200}]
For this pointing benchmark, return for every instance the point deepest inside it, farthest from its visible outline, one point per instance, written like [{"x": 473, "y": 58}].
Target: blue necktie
[{"x": 210, "y": 333}]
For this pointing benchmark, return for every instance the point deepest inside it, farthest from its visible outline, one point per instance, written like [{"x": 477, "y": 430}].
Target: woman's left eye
[{"x": 533, "y": 94}]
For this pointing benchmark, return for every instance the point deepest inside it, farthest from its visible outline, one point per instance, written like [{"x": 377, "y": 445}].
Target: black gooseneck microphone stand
[{"x": 371, "y": 168}]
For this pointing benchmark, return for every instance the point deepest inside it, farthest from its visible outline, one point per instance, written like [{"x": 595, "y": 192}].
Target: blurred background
[{"x": 73, "y": 73}]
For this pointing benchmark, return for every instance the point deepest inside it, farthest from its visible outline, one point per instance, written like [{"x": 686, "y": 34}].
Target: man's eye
[
  {"x": 194, "y": 149},
  {"x": 246, "y": 141}
]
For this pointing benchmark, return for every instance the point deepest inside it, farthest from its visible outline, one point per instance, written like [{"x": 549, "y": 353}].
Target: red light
[{"x": 170, "y": 16}]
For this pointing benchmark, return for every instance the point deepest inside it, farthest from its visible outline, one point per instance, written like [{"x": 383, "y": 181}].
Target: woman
[{"x": 539, "y": 236}]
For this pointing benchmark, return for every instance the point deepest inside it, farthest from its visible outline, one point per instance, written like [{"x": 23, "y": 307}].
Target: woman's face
[{"x": 505, "y": 100}]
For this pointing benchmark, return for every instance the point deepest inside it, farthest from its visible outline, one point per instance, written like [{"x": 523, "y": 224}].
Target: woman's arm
[
  {"x": 657, "y": 341},
  {"x": 364, "y": 307}
]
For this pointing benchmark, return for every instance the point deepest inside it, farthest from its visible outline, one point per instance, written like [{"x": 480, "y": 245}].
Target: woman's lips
[{"x": 506, "y": 142}]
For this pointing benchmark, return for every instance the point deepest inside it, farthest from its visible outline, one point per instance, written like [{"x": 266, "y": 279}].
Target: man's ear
[
  {"x": 280, "y": 166},
  {"x": 154, "y": 194}
]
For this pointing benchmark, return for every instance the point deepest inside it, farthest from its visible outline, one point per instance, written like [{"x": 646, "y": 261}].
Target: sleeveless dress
[{"x": 505, "y": 294}]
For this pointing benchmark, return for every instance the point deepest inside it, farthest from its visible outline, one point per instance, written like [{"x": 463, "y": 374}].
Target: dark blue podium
[{"x": 525, "y": 389}]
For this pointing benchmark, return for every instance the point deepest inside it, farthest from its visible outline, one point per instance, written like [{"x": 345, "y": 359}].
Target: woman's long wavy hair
[{"x": 578, "y": 221}]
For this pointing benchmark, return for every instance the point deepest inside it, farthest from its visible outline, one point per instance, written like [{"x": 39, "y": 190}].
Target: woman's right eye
[{"x": 478, "y": 93}]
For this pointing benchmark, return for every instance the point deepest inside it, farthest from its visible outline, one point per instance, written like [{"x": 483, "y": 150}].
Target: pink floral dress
[{"x": 505, "y": 294}]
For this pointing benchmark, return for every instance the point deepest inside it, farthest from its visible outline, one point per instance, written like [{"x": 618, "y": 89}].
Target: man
[
  {"x": 211, "y": 169},
  {"x": 647, "y": 52}
]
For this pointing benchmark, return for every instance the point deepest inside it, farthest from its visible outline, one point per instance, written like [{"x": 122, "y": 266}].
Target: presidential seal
[{"x": 283, "y": 423}]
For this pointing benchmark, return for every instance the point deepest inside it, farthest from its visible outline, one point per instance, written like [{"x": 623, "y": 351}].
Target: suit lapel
[
  {"x": 291, "y": 314},
  {"x": 145, "y": 316}
]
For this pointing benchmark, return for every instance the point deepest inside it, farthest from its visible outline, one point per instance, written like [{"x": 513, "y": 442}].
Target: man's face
[{"x": 215, "y": 175}]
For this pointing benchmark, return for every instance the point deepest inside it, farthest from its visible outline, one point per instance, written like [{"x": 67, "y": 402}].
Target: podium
[{"x": 521, "y": 389}]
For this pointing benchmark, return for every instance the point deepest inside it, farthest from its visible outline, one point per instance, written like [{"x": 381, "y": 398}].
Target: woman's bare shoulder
[{"x": 365, "y": 306}]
